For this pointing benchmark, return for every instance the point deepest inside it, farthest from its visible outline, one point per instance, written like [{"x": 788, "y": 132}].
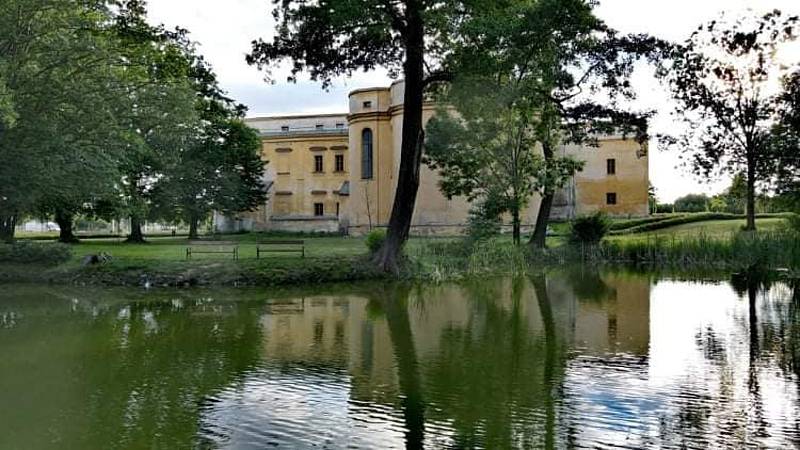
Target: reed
[{"x": 770, "y": 249}]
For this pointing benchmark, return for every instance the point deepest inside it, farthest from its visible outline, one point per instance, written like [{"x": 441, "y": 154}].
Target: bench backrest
[
  {"x": 214, "y": 243},
  {"x": 284, "y": 242}
]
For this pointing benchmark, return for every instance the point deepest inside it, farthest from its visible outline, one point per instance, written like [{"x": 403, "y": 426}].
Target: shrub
[
  {"x": 589, "y": 229},
  {"x": 29, "y": 252},
  {"x": 482, "y": 224},
  {"x": 375, "y": 240},
  {"x": 794, "y": 221}
]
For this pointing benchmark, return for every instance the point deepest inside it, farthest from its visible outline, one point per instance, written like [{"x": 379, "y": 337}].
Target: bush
[
  {"x": 794, "y": 221},
  {"x": 28, "y": 252},
  {"x": 375, "y": 240},
  {"x": 482, "y": 224},
  {"x": 589, "y": 229}
]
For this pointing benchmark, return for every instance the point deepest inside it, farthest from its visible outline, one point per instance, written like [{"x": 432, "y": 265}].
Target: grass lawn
[
  {"x": 711, "y": 228},
  {"x": 174, "y": 249}
]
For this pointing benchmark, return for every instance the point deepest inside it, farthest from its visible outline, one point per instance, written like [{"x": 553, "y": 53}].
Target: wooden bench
[
  {"x": 212, "y": 247},
  {"x": 285, "y": 246}
]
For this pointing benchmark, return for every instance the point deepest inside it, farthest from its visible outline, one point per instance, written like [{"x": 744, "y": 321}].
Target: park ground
[{"x": 162, "y": 260}]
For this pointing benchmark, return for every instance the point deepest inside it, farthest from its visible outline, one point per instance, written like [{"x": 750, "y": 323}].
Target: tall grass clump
[
  {"x": 736, "y": 251},
  {"x": 441, "y": 260}
]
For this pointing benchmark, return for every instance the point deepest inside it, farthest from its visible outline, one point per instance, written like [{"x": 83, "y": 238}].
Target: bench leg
[{"x": 188, "y": 254}]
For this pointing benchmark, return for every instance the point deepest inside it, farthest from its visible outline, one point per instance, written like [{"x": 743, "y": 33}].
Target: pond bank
[
  {"x": 271, "y": 272},
  {"x": 434, "y": 260}
]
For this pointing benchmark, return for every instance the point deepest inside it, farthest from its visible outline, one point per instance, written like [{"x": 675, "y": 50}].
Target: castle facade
[{"x": 338, "y": 172}]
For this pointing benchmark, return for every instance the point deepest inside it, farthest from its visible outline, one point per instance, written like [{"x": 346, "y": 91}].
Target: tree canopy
[{"x": 726, "y": 79}]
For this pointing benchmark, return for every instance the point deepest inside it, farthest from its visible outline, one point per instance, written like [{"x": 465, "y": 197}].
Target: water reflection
[{"x": 573, "y": 359}]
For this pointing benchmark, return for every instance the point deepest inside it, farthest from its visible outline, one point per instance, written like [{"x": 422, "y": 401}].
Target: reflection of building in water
[
  {"x": 609, "y": 313},
  {"x": 349, "y": 333}
]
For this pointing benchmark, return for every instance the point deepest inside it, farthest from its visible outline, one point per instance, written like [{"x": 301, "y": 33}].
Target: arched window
[{"x": 366, "y": 154}]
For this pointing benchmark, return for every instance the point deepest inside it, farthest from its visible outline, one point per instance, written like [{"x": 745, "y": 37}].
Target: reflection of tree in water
[
  {"x": 492, "y": 379},
  {"x": 133, "y": 375},
  {"x": 769, "y": 340},
  {"x": 587, "y": 284},
  {"x": 393, "y": 300}
]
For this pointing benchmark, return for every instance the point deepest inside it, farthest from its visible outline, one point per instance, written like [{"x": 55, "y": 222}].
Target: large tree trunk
[
  {"x": 411, "y": 150},
  {"x": 193, "y": 222},
  {"x": 64, "y": 220},
  {"x": 8, "y": 225},
  {"x": 539, "y": 237},
  {"x": 136, "y": 235},
  {"x": 751, "y": 196}
]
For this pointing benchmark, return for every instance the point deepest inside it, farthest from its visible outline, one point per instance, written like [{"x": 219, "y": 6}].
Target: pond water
[{"x": 565, "y": 360}]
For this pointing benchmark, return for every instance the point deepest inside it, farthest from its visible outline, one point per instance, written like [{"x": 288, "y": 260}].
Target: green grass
[
  {"x": 338, "y": 258},
  {"x": 711, "y": 228}
]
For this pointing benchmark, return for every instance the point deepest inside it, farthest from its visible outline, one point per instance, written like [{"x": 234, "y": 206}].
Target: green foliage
[
  {"x": 721, "y": 79},
  {"x": 692, "y": 203},
  {"x": 589, "y": 229},
  {"x": 619, "y": 225},
  {"x": 665, "y": 208},
  {"x": 735, "y": 252},
  {"x": 483, "y": 223},
  {"x": 674, "y": 220},
  {"x": 375, "y": 239},
  {"x": 24, "y": 252},
  {"x": 793, "y": 220}
]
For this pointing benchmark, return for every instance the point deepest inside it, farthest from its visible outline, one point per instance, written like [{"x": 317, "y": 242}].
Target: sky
[{"x": 224, "y": 30}]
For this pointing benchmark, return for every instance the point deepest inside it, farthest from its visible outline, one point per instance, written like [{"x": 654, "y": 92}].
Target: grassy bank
[
  {"x": 269, "y": 272},
  {"x": 731, "y": 251},
  {"x": 706, "y": 245}
]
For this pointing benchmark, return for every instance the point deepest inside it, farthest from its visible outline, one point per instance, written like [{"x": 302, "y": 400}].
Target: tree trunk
[
  {"x": 64, "y": 220},
  {"x": 516, "y": 225},
  {"x": 193, "y": 221},
  {"x": 411, "y": 150},
  {"x": 136, "y": 235},
  {"x": 751, "y": 196},
  {"x": 539, "y": 237},
  {"x": 8, "y": 225}
]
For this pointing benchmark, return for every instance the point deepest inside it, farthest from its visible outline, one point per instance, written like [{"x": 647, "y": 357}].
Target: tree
[
  {"x": 692, "y": 203},
  {"x": 160, "y": 116},
  {"x": 329, "y": 38},
  {"x": 721, "y": 79},
  {"x": 222, "y": 172},
  {"x": 60, "y": 77},
  {"x": 786, "y": 143},
  {"x": 554, "y": 51},
  {"x": 486, "y": 153}
]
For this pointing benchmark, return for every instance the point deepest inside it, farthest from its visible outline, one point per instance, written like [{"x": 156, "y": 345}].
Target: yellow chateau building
[{"x": 337, "y": 172}]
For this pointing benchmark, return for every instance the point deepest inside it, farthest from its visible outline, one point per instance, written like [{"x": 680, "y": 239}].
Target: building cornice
[{"x": 294, "y": 116}]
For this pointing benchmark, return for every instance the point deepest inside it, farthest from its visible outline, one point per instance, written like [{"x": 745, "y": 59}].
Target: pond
[{"x": 570, "y": 359}]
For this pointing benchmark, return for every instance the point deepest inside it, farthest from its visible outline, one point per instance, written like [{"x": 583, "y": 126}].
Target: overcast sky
[{"x": 225, "y": 28}]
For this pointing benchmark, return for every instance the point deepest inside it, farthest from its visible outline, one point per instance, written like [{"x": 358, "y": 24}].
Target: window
[
  {"x": 319, "y": 209},
  {"x": 611, "y": 166},
  {"x": 366, "y": 154},
  {"x": 320, "y": 126},
  {"x": 337, "y": 209},
  {"x": 285, "y": 128},
  {"x": 611, "y": 198},
  {"x": 367, "y": 104},
  {"x": 339, "y": 163},
  {"x": 318, "y": 165},
  {"x": 340, "y": 125}
]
